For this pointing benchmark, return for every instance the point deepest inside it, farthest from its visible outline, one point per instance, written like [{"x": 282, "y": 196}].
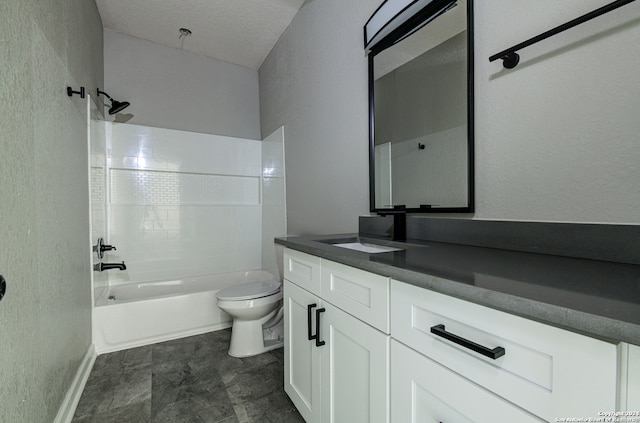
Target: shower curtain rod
[{"x": 509, "y": 56}]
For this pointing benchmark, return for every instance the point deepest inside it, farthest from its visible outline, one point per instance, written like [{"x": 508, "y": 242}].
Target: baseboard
[{"x": 68, "y": 407}]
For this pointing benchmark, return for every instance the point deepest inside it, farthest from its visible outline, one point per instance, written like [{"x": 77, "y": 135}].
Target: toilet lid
[{"x": 248, "y": 291}]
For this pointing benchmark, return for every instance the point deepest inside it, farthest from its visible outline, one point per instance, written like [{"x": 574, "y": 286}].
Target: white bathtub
[{"x": 146, "y": 313}]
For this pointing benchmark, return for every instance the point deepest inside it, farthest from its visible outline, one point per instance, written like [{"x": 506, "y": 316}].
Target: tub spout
[{"x": 106, "y": 266}]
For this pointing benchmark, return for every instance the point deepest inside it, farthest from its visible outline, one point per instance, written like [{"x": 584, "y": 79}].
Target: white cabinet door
[
  {"x": 633, "y": 381},
  {"x": 423, "y": 391},
  {"x": 355, "y": 369},
  {"x": 301, "y": 356}
]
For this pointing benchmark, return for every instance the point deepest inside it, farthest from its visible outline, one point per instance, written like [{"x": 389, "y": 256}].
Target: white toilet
[{"x": 257, "y": 312}]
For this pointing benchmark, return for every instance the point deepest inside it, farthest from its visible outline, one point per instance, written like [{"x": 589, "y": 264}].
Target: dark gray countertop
[{"x": 595, "y": 298}]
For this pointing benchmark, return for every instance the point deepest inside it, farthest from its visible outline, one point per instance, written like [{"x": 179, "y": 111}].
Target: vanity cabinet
[
  {"x": 548, "y": 372},
  {"x": 354, "y": 369},
  {"x": 363, "y": 347},
  {"x": 303, "y": 270},
  {"x": 424, "y": 391},
  {"x": 336, "y": 364},
  {"x": 301, "y": 356},
  {"x": 632, "y": 383},
  {"x": 362, "y": 294}
]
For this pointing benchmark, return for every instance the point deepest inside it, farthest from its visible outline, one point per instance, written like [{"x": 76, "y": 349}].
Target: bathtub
[{"x": 132, "y": 315}]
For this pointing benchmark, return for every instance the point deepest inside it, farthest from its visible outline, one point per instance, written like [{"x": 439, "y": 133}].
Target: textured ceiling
[{"x": 236, "y": 31}]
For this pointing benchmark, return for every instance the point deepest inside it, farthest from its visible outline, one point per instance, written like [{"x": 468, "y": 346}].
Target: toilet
[{"x": 257, "y": 312}]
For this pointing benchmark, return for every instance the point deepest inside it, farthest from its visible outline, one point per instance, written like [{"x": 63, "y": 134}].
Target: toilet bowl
[{"x": 256, "y": 309}]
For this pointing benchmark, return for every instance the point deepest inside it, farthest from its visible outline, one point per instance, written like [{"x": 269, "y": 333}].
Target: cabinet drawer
[
  {"x": 362, "y": 294},
  {"x": 549, "y": 371},
  {"x": 426, "y": 392},
  {"x": 303, "y": 270}
]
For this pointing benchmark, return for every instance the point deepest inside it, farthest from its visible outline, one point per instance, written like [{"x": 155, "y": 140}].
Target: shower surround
[{"x": 179, "y": 204}]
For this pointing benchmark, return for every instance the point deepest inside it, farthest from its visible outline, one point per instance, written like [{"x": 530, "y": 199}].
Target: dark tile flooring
[{"x": 188, "y": 380}]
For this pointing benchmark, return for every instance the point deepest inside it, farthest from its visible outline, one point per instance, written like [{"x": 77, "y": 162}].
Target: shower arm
[{"x": 103, "y": 93}]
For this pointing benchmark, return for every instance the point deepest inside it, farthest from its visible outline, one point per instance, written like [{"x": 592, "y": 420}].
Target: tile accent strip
[{"x": 142, "y": 187}]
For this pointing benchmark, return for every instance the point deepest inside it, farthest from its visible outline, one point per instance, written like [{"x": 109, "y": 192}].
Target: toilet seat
[{"x": 249, "y": 291}]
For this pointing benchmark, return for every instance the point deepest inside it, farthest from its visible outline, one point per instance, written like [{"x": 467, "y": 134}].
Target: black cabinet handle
[
  {"x": 319, "y": 343},
  {"x": 309, "y": 335},
  {"x": 3, "y": 286},
  {"x": 480, "y": 349}
]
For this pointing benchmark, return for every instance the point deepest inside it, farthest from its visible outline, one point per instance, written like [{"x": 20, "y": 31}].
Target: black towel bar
[{"x": 509, "y": 56}]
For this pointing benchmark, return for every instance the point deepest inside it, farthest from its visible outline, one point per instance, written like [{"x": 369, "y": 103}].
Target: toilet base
[
  {"x": 271, "y": 345},
  {"x": 249, "y": 338}
]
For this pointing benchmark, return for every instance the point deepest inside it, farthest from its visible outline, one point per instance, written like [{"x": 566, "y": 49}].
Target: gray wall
[
  {"x": 556, "y": 138},
  {"x": 45, "y": 318},
  {"x": 314, "y": 82},
  {"x": 176, "y": 89}
]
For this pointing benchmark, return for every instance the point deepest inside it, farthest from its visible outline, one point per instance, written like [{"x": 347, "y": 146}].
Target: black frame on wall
[{"x": 412, "y": 24}]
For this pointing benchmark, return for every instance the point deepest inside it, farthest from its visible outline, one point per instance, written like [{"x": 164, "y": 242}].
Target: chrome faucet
[{"x": 106, "y": 266}]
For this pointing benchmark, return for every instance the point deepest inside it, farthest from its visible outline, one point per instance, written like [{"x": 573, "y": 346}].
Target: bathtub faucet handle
[{"x": 101, "y": 247}]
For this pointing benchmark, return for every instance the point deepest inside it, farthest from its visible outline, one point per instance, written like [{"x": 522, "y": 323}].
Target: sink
[
  {"x": 361, "y": 244},
  {"x": 367, "y": 247}
]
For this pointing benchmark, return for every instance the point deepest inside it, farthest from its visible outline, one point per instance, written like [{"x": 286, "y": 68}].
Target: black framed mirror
[{"x": 421, "y": 107}]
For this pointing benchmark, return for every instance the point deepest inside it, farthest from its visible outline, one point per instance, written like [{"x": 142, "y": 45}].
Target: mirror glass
[{"x": 421, "y": 116}]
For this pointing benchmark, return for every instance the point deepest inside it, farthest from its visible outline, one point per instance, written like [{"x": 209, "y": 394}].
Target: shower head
[{"x": 116, "y": 106}]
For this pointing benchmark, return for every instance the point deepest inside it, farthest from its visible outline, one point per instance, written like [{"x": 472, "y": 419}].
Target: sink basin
[
  {"x": 367, "y": 247},
  {"x": 361, "y": 244}
]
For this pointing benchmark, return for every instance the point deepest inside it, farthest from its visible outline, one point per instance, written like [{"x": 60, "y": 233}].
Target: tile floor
[{"x": 188, "y": 380}]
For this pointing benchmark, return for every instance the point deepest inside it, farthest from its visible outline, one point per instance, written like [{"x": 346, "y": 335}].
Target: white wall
[
  {"x": 177, "y": 204},
  {"x": 181, "y": 203},
  {"x": 556, "y": 138},
  {"x": 98, "y": 196},
  {"x": 45, "y": 316},
  {"x": 274, "y": 223},
  {"x": 172, "y": 88}
]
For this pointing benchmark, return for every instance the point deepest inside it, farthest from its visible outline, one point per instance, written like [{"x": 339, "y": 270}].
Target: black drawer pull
[
  {"x": 319, "y": 343},
  {"x": 309, "y": 335},
  {"x": 3, "y": 286},
  {"x": 491, "y": 353}
]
